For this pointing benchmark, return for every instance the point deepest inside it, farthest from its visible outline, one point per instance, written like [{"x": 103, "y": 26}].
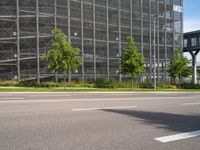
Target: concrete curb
[{"x": 101, "y": 92}]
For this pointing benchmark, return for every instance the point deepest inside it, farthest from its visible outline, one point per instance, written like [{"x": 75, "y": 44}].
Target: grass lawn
[{"x": 25, "y": 89}]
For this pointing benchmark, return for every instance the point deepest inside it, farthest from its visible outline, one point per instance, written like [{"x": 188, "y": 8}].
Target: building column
[
  {"x": 120, "y": 39},
  {"x": 194, "y": 66},
  {"x": 82, "y": 44},
  {"x": 38, "y": 41},
  {"x": 131, "y": 15},
  {"x": 141, "y": 27},
  {"x": 158, "y": 42},
  {"x": 173, "y": 25},
  {"x": 18, "y": 42},
  {"x": 107, "y": 41},
  {"x": 55, "y": 14},
  {"x": 94, "y": 42},
  {"x": 182, "y": 26},
  {"x": 150, "y": 42},
  {"x": 142, "y": 33},
  {"x": 69, "y": 32},
  {"x": 165, "y": 42},
  {"x": 55, "y": 26}
]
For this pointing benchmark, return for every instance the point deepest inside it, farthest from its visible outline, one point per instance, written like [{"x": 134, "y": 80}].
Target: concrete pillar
[{"x": 194, "y": 66}]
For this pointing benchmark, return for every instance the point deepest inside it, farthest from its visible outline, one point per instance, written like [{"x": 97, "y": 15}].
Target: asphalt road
[{"x": 94, "y": 121}]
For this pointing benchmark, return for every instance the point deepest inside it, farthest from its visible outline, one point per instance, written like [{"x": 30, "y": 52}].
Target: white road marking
[
  {"x": 69, "y": 100},
  {"x": 186, "y": 104},
  {"x": 34, "y": 101},
  {"x": 101, "y": 108},
  {"x": 23, "y": 100},
  {"x": 178, "y": 137},
  {"x": 12, "y": 98},
  {"x": 32, "y": 96}
]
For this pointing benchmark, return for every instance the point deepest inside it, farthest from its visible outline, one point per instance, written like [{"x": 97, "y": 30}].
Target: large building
[{"x": 98, "y": 27}]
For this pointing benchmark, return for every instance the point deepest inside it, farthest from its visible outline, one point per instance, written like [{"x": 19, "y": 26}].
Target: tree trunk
[
  {"x": 179, "y": 78},
  {"x": 69, "y": 74},
  {"x": 173, "y": 80},
  {"x": 56, "y": 77},
  {"x": 132, "y": 84},
  {"x": 65, "y": 80}
]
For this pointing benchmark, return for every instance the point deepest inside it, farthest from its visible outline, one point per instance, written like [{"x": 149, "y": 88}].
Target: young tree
[
  {"x": 178, "y": 68},
  {"x": 62, "y": 56},
  {"x": 132, "y": 61}
]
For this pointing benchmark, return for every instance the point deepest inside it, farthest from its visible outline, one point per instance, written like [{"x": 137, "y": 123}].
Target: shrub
[
  {"x": 166, "y": 86},
  {"x": 48, "y": 85},
  {"x": 8, "y": 83},
  {"x": 27, "y": 84},
  {"x": 190, "y": 86},
  {"x": 86, "y": 84},
  {"x": 100, "y": 83},
  {"x": 36, "y": 85},
  {"x": 147, "y": 85},
  {"x": 78, "y": 84}
]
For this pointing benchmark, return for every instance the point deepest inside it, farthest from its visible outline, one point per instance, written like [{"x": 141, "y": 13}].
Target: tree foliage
[
  {"x": 132, "y": 61},
  {"x": 62, "y": 56},
  {"x": 178, "y": 68}
]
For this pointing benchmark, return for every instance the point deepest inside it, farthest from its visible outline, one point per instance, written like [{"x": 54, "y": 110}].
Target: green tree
[
  {"x": 132, "y": 61},
  {"x": 62, "y": 56},
  {"x": 178, "y": 68}
]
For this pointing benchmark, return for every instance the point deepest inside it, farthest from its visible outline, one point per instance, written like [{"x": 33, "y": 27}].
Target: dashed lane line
[
  {"x": 189, "y": 104},
  {"x": 104, "y": 108},
  {"x": 12, "y": 98}
]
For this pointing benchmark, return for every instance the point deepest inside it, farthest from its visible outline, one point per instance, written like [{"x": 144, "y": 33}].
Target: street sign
[{"x": 178, "y": 8}]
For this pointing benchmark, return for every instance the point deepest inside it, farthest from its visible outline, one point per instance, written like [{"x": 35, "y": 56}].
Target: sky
[
  {"x": 191, "y": 15},
  {"x": 191, "y": 18}
]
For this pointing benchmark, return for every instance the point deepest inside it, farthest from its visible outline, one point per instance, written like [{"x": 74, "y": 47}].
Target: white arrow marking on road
[
  {"x": 88, "y": 109},
  {"x": 178, "y": 137}
]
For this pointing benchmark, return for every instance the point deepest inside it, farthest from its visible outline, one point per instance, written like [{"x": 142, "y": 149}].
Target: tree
[
  {"x": 132, "y": 61},
  {"x": 178, "y": 68},
  {"x": 62, "y": 56}
]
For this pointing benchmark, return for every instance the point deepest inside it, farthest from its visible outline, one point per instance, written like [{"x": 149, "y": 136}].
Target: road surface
[{"x": 99, "y": 121}]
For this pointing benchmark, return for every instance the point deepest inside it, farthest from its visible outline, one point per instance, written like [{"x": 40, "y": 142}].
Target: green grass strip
[{"x": 24, "y": 89}]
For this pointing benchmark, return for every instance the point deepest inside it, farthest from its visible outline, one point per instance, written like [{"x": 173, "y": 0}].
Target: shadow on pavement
[{"x": 168, "y": 121}]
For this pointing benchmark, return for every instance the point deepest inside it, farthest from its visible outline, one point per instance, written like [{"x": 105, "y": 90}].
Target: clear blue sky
[{"x": 191, "y": 15}]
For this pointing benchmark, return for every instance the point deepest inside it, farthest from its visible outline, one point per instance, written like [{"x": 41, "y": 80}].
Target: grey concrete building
[{"x": 98, "y": 27}]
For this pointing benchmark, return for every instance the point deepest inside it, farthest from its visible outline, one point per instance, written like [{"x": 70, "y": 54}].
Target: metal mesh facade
[{"x": 98, "y": 27}]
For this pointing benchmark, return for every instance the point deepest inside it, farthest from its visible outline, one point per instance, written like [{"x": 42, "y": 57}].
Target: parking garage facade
[{"x": 98, "y": 27}]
